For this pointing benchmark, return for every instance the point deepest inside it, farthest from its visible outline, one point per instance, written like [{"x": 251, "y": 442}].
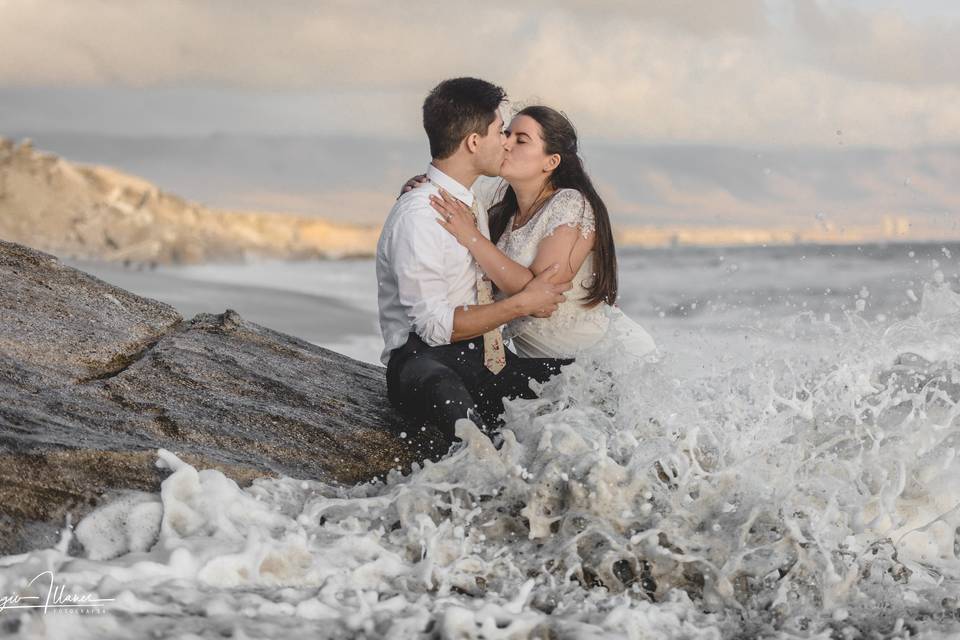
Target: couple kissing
[{"x": 460, "y": 279}]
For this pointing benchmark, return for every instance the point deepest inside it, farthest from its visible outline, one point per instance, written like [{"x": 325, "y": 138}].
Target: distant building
[{"x": 895, "y": 226}]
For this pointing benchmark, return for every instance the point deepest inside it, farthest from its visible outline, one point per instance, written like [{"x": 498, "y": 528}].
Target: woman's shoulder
[
  {"x": 568, "y": 196},
  {"x": 569, "y": 207}
]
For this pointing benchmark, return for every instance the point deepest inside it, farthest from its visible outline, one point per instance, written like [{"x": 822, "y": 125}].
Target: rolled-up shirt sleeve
[{"x": 420, "y": 250}]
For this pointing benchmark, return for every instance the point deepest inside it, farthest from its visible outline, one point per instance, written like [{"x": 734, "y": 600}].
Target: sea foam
[{"x": 774, "y": 491}]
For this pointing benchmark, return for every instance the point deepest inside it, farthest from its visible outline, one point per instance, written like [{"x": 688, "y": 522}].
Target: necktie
[{"x": 494, "y": 353}]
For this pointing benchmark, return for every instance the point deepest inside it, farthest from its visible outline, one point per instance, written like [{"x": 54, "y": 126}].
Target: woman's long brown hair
[{"x": 560, "y": 137}]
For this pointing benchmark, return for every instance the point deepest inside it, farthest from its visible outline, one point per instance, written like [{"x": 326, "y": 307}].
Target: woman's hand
[
  {"x": 456, "y": 218},
  {"x": 413, "y": 183}
]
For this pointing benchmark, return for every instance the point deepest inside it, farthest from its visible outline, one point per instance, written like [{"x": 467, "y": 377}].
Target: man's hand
[{"x": 541, "y": 297}]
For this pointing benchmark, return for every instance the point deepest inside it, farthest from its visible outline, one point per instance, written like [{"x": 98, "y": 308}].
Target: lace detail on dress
[
  {"x": 566, "y": 207},
  {"x": 572, "y": 323},
  {"x": 572, "y": 327},
  {"x": 569, "y": 207},
  {"x": 570, "y": 315}
]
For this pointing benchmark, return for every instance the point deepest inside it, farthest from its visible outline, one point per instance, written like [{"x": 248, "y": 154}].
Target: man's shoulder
[
  {"x": 414, "y": 205},
  {"x": 417, "y": 198},
  {"x": 412, "y": 215}
]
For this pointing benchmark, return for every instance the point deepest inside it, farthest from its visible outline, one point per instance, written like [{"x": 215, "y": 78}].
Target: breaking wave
[{"x": 800, "y": 485}]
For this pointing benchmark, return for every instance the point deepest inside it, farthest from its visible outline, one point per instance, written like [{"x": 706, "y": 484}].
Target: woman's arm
[
  {"x": 509, "y": 276},
  {"x": 565, "y": 245},
  {"x": 569, "y": 234}
]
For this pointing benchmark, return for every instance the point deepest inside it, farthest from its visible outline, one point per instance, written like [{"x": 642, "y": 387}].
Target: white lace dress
[{"x": 572, "y": 327}]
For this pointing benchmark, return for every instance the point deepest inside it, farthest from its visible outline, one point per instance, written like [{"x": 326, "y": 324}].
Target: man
[{"x": 441, "y": 328}]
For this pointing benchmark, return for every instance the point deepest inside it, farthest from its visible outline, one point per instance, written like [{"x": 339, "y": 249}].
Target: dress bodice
[{"x": 572, "y": 326}]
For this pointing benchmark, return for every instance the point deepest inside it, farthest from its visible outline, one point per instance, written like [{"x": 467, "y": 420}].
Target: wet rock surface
[{"x": 93, "y": 380}]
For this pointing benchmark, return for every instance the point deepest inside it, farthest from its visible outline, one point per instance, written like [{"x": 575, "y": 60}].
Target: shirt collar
[{"x": 451, "y": 186}]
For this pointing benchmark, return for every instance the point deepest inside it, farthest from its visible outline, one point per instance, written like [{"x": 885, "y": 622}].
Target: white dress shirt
[{"x": 422, "y": 271}]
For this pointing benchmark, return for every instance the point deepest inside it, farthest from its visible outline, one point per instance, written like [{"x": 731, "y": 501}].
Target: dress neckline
[{"x": 543, "y": 207}]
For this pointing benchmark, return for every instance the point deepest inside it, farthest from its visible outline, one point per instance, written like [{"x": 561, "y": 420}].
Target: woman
[{"x": 550, "y": 213}]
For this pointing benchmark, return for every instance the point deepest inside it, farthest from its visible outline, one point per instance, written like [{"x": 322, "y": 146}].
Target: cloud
[
  {"x": 651, "y": 71},
  {"x": 657, "y": 85},
  {"x": 292, "y": 45},
  {"x": 704, "y": 19},
  {"x": 793, "y": 190},
  {"x": 883, "y": 45}
]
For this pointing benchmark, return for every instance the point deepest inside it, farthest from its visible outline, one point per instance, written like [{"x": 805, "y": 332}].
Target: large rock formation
[
  {"x": 93, "y": 380},
  {"x": 98, "y": 213}
]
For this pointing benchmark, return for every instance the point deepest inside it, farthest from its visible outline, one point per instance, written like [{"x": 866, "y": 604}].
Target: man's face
[{"x": 490, "y": 148}]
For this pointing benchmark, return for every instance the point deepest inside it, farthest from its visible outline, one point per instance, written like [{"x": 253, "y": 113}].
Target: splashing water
[{"x": 783, "y": 493}]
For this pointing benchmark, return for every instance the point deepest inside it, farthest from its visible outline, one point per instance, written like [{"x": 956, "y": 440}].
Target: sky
[{"x": 666, "y": 95}]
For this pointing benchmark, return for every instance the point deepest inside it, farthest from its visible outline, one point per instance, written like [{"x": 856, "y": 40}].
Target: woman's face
[{"x": 525, "y": 158}]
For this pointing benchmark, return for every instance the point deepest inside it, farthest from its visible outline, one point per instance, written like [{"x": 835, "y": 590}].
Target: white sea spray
[{"x": 777, "y": 492}]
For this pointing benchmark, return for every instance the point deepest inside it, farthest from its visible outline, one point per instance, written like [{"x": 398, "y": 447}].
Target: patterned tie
[{"x": 494, "y": 354}]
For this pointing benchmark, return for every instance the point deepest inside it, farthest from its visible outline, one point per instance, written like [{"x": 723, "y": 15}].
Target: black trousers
[{"x": 439, "y": 385}]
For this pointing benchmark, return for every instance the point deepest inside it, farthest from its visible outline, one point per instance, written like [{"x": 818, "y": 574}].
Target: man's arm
[
  {"x": 539, "y": 297},
  {"x": 418, "y": 258},
  {"x": 418, "y": 261}
]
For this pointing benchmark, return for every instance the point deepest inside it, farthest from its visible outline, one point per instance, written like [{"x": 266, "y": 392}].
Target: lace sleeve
[{"x": 569, "y": 207}]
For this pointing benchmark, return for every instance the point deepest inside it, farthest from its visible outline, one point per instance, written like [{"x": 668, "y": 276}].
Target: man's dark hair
[{"x": 455, "y": 109}]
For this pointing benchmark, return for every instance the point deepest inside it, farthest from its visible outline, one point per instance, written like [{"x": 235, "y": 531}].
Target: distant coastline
[
  {"x": 99, "y": 213},
  {"x": 889, "y": 229},
  {"x": 95, "y": 212}
]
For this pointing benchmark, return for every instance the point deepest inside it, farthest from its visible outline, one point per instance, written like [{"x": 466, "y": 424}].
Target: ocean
[
  {"x": 786, "y": 467},
  {"x": 681, "y": 295}
]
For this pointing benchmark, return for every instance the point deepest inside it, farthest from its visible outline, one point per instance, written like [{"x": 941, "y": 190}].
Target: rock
[
  {"x": 94, "y": 379},
  {"x": 99, "y": 213},
  {"x": 68, "y": 325}
]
